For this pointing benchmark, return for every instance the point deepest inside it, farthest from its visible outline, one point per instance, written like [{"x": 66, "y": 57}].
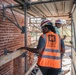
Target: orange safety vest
[{"x": 50, "y": 56}]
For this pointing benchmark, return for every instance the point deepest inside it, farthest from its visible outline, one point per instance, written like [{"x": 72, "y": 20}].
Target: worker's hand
[
  {"x": 62, "y": 53},
  {"x": 62, "y": 50},
  {"x": 21, "y": 48}
]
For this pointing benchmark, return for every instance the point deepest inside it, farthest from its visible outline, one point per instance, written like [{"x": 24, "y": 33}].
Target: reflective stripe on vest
[
  {"x": 50, "y": 56},
  {"x": 49, "y": 50}
]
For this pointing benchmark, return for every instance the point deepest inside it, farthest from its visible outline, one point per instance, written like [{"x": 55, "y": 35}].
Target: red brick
[{"x": 11, "y": 39}]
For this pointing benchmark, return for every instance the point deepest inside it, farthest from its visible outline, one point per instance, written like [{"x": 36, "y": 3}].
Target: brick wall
[
  {"x": 11, "y": 39},
  {"x": 7, "y": 69},
  {"x": 19, "y": 66}
]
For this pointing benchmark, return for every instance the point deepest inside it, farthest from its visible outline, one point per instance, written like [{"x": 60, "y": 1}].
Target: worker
[
  {"x": 58, "y": 24},
  {"x": 48, "y": 49}
]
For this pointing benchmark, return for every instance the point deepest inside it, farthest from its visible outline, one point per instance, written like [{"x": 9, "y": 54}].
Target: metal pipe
[
  {"x": 18, "y": 10},
  {"x": 25, "y": 23},
  {"x": 73, "y": 66},
  {"x": 4, "y": 16},
  {"x": 73, "y": 30},
  {"x": 13, "y": 22},
  {"x": 15, "y": 18},
  {"x": 11, "y": 6},
  {"x": 71, "y": 40},
  {"x": 42, "y": 2}
]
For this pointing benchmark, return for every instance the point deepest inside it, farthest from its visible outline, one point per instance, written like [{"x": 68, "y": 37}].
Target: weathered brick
[{"x": 11, "y": 39}]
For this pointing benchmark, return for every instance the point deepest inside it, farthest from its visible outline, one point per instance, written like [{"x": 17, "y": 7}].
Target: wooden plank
[
  {"x": 65, "y": 72},
  {"x": 6, "y": 58},
  {"x": 39, "y": 72},
  {"x": 31, "y": 68}
]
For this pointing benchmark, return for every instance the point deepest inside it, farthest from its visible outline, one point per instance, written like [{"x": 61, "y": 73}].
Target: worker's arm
[
  {"x": 62, "y": 46},
  {"x": 34, "y": 50},
  {"x": 39, "y": 49}
]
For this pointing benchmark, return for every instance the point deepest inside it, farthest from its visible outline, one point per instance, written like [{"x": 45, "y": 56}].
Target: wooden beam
[
  {"x": 46, "y": 9},
  {"x": 50, "y": 1},
  {"x": 56, "y": 9},
  {"x": 6, "y": 58},
  {"x": 43, "y": 13},
  {"x": 36, "y": 10},
  {"x": 63, "y": 7}
]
